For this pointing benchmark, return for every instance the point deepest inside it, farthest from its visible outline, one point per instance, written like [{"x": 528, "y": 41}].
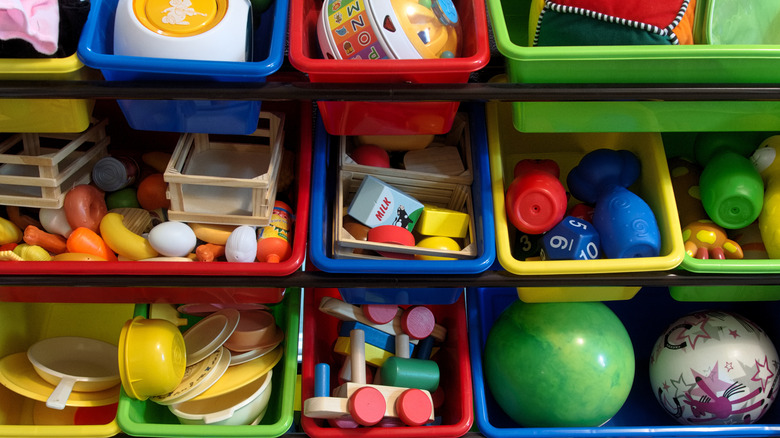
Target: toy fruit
[
  {"x": 559, "y": 364},
  {"x": 536, "y": 199},
  {"x": 714, "y": 367},
  {"x": 437, "y": 242},
  {"x": 626, "y": 224},
  {"x": 85, "y": 206},
  {"x": 389, "y": 29},
  {"x": 765, "y": 162},
  {"x": 371, "y": 155},
  {"x": 732, "y": 191}
]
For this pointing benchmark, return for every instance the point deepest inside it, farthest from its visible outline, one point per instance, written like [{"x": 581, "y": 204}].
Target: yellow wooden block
[
  {"x": 438, "y": 221},
  {"x": 374, "y": 355}
]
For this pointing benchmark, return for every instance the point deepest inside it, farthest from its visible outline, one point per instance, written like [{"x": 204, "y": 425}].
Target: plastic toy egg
[
  {"x": 559, "y": 364},
  {"x": 241, "y": 245},
  {"x": 714, "y": 367},
  {"x": 389, "y": 29},
  {"x": 172, "y": 239}
]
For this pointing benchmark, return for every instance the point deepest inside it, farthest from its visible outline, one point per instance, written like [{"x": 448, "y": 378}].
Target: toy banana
[
  {"x": 765, "y": 161},
  {"x": 123, "y": 241},
  {"x": 212, "y": 233},
  {"x": 9, "y": 232}
]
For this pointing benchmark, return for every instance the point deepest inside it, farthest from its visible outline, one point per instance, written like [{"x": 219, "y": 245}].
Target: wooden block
[
  {"x": 390, "y": 393},
  {"x": 374, "y": 337},
  {"x": 373, "y": 355},
  {"x": 438, "y": 221},
  {"x": 348, "y": 312},
  {"x": 325, "y": 407},
  {"x": 442, "y": 160}
]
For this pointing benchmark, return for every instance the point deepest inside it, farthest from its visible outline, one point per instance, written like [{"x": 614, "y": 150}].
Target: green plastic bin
[
  {"x": 147, "y": 418},
  {"x": 700, "y": 63}
]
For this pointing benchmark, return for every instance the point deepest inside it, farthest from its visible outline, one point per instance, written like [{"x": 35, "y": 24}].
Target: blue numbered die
[{"x": 571, "y": 239}]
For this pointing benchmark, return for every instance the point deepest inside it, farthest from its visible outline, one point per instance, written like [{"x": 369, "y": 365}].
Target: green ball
[{"x": 559, "y": 364}]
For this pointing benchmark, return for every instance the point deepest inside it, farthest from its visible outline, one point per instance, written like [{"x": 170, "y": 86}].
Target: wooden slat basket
[
  {"x": 37, "y": 170},
  {"x": 230, "y": 183}
]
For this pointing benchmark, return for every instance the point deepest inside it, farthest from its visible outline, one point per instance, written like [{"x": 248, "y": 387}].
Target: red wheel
[
  {"x": 367, "y": 406},
  {"x": 414, "y": 407}
]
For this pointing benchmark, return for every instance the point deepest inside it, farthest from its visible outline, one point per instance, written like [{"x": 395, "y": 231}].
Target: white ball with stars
[{"x": 714, "y": 367}]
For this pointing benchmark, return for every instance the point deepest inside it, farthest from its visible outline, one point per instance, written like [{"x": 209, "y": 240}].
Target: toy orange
[{"x": 151, "y": 192}]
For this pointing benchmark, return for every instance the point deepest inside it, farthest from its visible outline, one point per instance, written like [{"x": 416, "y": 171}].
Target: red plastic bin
[
  {"x": 387, "y": 118},
  {"x": 457, "y": 415},
  {"x": 298, "y": 138}
]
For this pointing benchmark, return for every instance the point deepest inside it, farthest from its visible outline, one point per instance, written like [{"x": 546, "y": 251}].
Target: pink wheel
[
  {"x": 414, "y": 407},
  {"x": 367, "y": 406}
]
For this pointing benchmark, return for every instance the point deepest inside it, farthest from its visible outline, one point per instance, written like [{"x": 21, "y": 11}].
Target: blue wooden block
[{"x": 374, "y": 337}]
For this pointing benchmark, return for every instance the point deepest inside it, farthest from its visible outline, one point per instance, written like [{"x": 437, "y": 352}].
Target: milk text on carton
[{"x": 377, "y": 203}]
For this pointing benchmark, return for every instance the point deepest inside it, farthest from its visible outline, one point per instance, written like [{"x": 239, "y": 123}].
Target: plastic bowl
[
  {"x": 242, "y": 406},
  {"x": 256, "y": 329},
  {"x": 152, "y": 357},
  {"x": 74, "y": 363}
]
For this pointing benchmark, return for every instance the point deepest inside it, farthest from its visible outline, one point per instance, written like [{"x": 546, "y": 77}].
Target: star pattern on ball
[{"x": 695, "y": 332}]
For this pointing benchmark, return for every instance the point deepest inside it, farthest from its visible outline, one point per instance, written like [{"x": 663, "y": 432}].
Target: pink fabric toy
[{"x": 35, "y": 21}]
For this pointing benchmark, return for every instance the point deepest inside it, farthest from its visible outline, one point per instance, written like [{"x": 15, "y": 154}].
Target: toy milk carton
[{"x": 377, "y": 203}]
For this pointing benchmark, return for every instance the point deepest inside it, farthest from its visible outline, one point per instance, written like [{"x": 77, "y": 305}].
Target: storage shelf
[
  {"x": 322, "y": 279},
  {"x": 478, "y": 92}
]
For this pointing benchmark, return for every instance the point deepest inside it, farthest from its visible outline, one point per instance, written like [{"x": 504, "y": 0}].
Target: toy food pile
[
  {"x": 611, "y": 221},
  {"x": 119, "y": 212}
]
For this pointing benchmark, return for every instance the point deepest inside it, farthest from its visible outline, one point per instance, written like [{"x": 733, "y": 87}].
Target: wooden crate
[
  {"x": 458, "y": 138},
  {"x": 440, "y": 194},
  {"x": 227, "y": 183},
  {"x": 36, "y": 170}
]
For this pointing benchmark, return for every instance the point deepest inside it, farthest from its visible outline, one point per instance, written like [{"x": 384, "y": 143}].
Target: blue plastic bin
[
  {"x": 645, "y": 317},
  {"x": 200, "y": 116},
  {"x": 324, "y": 172}
]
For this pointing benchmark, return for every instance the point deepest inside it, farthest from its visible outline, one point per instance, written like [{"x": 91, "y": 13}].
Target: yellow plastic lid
[{"x": 179, "y": 18}]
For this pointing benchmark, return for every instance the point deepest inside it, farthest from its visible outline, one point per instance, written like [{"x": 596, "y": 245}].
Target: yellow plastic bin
[
  {"x": 507, "y": 146},
  {"x": 45, "y": 115},
  {"x": 23, "y": 325}
]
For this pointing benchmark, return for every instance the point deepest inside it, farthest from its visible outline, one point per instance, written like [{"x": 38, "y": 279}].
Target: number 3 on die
[{"x": 571, "y": 239}]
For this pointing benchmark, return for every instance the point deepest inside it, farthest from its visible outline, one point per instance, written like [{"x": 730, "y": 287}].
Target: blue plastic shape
[
  {"x": 238, "y": 117},
  {"x": 324, "y": 173},
  {"x": 572, "y": 239},
  {"x": 645, "y": 316}
]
